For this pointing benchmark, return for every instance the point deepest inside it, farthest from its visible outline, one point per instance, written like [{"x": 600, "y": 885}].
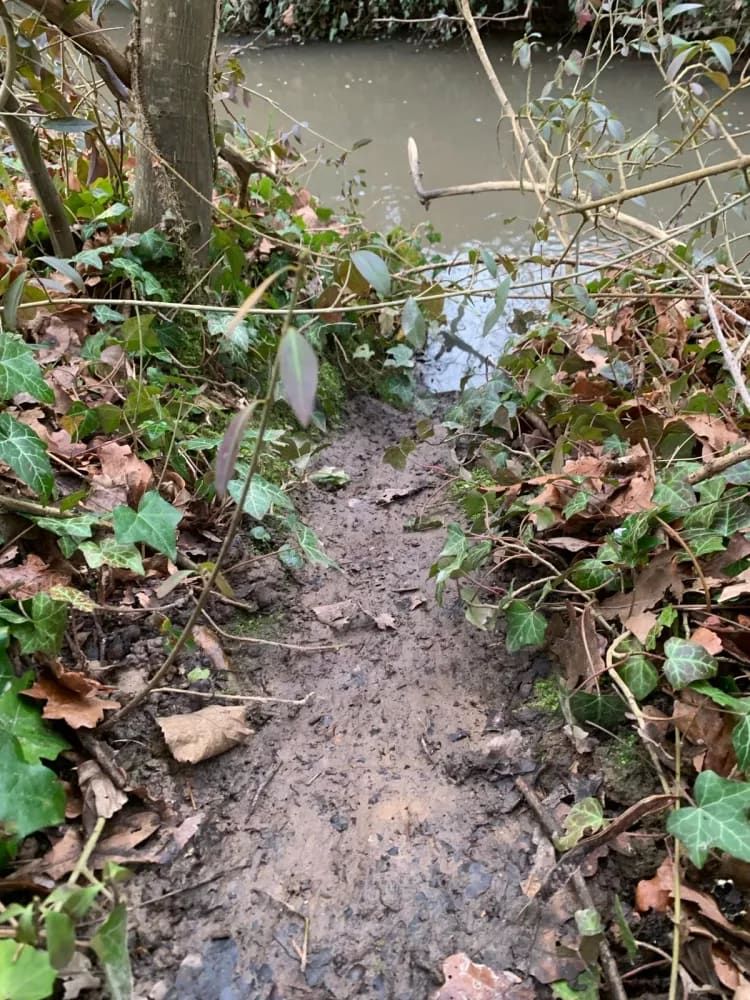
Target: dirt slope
[{"x": 379, "y": 812}]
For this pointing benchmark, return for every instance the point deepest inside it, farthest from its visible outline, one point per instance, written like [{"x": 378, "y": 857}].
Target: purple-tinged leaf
[
  {"x": 229, "y": 449},
  {"x": 299, "y": 375}
]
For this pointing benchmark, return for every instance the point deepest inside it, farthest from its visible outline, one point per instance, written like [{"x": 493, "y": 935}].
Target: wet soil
[{"x": 356, "y": 842}]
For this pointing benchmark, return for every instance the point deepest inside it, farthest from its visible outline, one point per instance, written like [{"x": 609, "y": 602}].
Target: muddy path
[{"x": 354, "y": 843}]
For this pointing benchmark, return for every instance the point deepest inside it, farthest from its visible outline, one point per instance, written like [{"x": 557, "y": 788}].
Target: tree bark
[{"x": 172, "y": 57}]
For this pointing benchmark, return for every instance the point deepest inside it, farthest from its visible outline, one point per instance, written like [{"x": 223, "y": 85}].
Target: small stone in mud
[
  {"x": 317, "y": 963},
  {"x": 480, "y": 879},
  {"x": 339, "y": 823},
  {"x": 460, "y": 734}
]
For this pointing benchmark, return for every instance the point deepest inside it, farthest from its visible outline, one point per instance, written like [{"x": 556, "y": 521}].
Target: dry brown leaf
[
  {"x": 16, "y": 224},
  {"x": 578, "y": 648},
  {"x": 710, "y": 641},
  {"x": 384, "y": 621},
  {"x": 662, "y": 574},
  {"x": 33, "y": 576},
  {"x": 467, "y": 980},
  {"x": 207, "y": 733},
  {"x": 121, "y": 466},
  {"x": 655, "y": 893},
  {"x": 702, "y": 723},
  {"x": 641, "y": 625},
  {"x": 71, "y": 696},
  {"x": 635, "y": 496},
  {"x": 209, "y": 643},
  {"x": 716, "y": 433},
  {"x": 101, "y": 797},
  {"x": 726, "y": 971},
  {"x": 740, "y": 586},
  {"x": 337, "y": 616}
]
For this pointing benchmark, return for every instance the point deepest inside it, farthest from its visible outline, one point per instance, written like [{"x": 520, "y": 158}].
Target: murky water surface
[{"x": 388, "y": 91}]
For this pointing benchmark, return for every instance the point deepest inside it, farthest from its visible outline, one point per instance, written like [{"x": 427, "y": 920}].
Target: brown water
[{"x": 388, "y": 91}]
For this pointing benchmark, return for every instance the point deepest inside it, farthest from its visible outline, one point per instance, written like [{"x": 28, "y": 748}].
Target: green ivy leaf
[
  {"x": 111, "y": 946},
  {"x": 43, "y": 633},
  {"x": 741, "y": 743},
  {"x": 640, "y": 675},
  {"x": 592, "y": 574},
  {"x": 741, "y": 706},
  {"x": 687, "y": 662},
  {"x": 308, "y": 542},
  {"x": 19, "y": 371},
  {"x": 719, "y": 820},
  {"x": 22, "y": 721},
  {"x": 24, "y": 451},
  {"x": 524, "y": 626},
  {"x": 458, "y": 557},
  {"x": 110, "y": 552},
  {"x": 584, "y": 815},
  {"x": 262, "y": 498},
  {"x": 25, "y": 972},
  {"x": 155, "y": 523},
  {"x": 31, "y": 796},
  {"x": 374, "y": 270},
  {"x": 674, "y": 498},
  {"x": 603, "y": 710}
]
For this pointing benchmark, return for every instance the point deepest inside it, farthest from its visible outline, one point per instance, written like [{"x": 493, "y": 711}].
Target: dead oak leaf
[
  {"x": 71, "y": 696},
  {"x": 211, "y": 731},
  {"x": 710, "y": 641}
]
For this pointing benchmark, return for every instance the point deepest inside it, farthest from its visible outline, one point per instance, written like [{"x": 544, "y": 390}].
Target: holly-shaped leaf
[
  {"x": 31, "y": 796},
  {"x": 154, "y": 523},
  {"x": 299, "y": 374},
  {"x": 25, "y": 972},
  {"x": 262, "y": 498},
  {"x": 719, "y": 820},
  {"x": 25, "y": 452},
  {"x": 687, "y": 662},
  {"x": 19, "y": 371},
  {"x": 584, "y": 815},
  {"x": 524, "y": 626}
]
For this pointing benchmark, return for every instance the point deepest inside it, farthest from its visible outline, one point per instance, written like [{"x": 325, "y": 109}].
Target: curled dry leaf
[
  {"x": 654, "y": 893},
  {"x": 71, "y": 696},
  {"x": 210, "y": 645},
  {"x": 467, "y": 980},
  {"x": 339, "y": 615},
  {"x": 121, "y": 467},
  {"x": 101, "y": 797},
  {"x": 207, "y": 733}
]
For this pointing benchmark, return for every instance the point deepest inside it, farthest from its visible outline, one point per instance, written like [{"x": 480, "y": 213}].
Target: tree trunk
[{"x": 172, "y": 51}]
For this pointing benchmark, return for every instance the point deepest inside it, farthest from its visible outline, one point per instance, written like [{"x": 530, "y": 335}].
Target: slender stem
[{"x": 234, "y": 524}]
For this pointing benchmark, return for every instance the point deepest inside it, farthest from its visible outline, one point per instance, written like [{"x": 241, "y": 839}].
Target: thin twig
[
  {"x": 729, "y": 359},
  {"x": 266, "y": 642},
  {"x": 252, "y": 698},
  {"x": 552, "y": 830}
]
